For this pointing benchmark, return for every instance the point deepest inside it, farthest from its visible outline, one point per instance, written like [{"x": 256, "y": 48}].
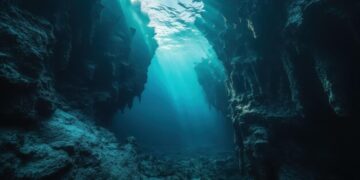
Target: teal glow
[
  {"x": 178, "y": 76},
  {"x": 137, "y": 20},
  {"x": 173, "y": 110}
]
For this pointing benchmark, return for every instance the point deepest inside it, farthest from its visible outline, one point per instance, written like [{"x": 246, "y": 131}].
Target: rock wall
[
  {"x": 68, "y": 54},
  {"x": 64, "y": 64},
  {"x": 212, "y": 78},
  {"x": 293, "y": 81}
]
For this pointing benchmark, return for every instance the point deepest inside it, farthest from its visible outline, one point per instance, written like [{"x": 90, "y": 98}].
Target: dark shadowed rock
[
  {"x": 212, "y": 78},
  {"x": 25, "y": 48},
  {"x": 69, "y": 55},
  {"x": 293, "y": 83}
]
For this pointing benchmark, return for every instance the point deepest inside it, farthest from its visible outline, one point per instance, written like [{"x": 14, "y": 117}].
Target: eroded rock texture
[
  {"x": 212, "y": 78},
  {"x": 62, "y": 65},
  {"x": 67, "y": 146},
  {"x": 293, "y": 79},
  {"x": 65, "y": 52}
]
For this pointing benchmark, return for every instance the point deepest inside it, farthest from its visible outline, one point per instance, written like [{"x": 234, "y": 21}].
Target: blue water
[{"x": 173, "y": 114}]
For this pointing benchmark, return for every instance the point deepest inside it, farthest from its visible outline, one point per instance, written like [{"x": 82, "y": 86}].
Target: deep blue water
[{"x": 173, "y": 114}]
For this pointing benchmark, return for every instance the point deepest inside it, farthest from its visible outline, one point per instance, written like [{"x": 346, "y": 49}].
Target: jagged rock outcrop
[
  {"x": 293, "y": 81},
  {"x": 211, "y": 77},
  {"x": 73, "y": 53},
  {"x": 58, "y": 58}
]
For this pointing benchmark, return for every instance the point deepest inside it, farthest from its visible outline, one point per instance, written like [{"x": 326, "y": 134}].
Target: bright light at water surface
[
  {"x": 172, "y": 19},
  {"x": 181, "y": 45},
  {"x": 173, "y": 108}
]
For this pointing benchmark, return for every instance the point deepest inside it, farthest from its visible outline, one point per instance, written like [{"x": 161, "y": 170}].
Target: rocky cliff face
[
  {"x": 212, "y": 79},
  {"x": 292, "y": 77},
  {"x": 66, "y": 54},
  {"x": 293, "y": 81},
  {"x": 62, "y": 65}
]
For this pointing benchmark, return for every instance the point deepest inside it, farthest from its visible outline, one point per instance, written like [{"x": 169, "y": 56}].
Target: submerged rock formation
[
  {"x": 68, "y": 54},
  {"x": 63, "y": 65},
  {"x": 67, "y": 146},
  {"x": 293, "y": 78},
  {"x": 292, "y": 81},
  {"x": 212, "y": 79}
]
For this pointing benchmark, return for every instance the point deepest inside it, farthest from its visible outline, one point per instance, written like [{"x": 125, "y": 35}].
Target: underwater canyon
[{"x": 179, "y": 89}]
